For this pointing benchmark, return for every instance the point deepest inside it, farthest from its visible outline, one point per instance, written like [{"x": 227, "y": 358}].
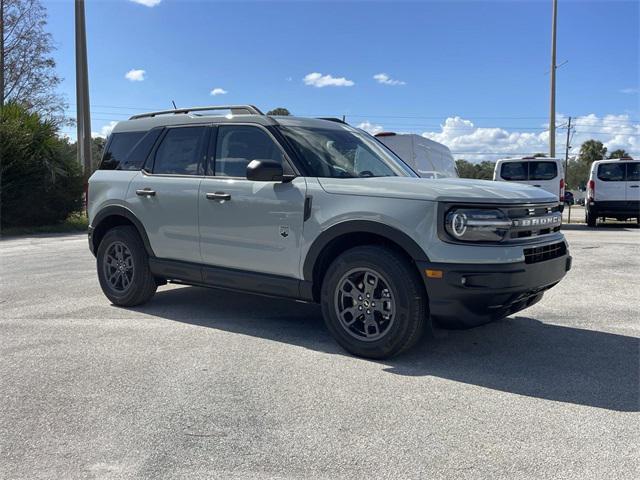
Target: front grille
[
  {"x": 533, "y": 221},
  {"x": 547, "y": 252}
]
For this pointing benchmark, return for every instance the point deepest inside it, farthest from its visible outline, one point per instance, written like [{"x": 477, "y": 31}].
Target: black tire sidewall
[
  {"x": 405, "y": 287},
  {"x": 141, "y": 273}
]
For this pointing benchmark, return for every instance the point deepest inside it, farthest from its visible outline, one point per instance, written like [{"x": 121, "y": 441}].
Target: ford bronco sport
[{"x": 319, "y": 211}]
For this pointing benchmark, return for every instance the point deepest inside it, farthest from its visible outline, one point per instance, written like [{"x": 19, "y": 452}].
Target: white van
[
  {"x": 428, "y": 158},
  {"x": 613, "y": 190},
  {"x": 542, "y": 172}
]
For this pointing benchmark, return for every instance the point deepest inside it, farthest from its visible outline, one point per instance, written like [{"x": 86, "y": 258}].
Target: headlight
[{"x": 476, "y": 225}]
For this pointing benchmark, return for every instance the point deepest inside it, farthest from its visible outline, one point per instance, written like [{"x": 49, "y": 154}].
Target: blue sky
[{"x": 470, "y": 74}]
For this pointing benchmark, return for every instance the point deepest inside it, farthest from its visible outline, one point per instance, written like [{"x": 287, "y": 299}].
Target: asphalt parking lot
[{"x": 210, "y": 384}]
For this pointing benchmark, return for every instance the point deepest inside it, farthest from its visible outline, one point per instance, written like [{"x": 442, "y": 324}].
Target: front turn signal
[{"x": 433, "y": 273}]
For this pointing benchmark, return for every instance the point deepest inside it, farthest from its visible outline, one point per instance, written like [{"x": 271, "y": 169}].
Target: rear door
[
  {"x": 633, "y": 182},
  {"x": 164, "y": 196},
  {"x": 247, "y": 225},
  {"x": 545, "y": 174},
  {"x": 610, "y": 182}
]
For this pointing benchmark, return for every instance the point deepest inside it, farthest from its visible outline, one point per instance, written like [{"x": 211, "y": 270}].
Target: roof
[
  {"x": 533, "y": 159},
  {"x": 204, "y": 115},
  {"x": 147, "y": 123}
]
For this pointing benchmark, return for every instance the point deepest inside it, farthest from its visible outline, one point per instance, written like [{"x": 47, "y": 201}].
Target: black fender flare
[
  {"x": 392, "y": 234},
  {"x": 120, "y": 211}
]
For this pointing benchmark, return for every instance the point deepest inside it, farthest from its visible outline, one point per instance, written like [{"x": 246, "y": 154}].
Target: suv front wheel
[
  {"x": 123, "y": 268},
  {"x": 373, "y": 302}
]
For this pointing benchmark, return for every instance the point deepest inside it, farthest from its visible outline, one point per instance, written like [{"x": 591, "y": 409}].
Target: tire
[
  {"x": 122, "y": 258},
  {"x": 403, "y": 302},
  {"x": 590, "y": 218}
]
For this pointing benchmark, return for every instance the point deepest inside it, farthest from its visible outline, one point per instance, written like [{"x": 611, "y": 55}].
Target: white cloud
[
  {"x": 105, "y": 130},
  {"x": 218, "y": 91},
  {"x": 147, "y": 3},
  {"x": 318, "y": 80},
  {"x": 387, "y": 80},
  {"x": 630, "y": 91},
  {"x": 490, "y": 143},
  {"x": 135, "y": 75},
  {"x": 370, "y": 127}
]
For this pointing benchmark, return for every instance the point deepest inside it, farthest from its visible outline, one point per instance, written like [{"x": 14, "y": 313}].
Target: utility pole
[
  {"x": 1, "y": 54},
  {"x": 552, "y": 110},
  {"x": 566, "y": 151},
  {"x": 82, "y": 92}
]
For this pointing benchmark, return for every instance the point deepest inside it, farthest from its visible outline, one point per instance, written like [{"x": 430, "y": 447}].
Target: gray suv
[{"x": 319, "y": 211}]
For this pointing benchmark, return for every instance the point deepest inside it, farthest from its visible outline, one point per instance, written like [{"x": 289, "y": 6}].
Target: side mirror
[{"x": 265, "y": 171}]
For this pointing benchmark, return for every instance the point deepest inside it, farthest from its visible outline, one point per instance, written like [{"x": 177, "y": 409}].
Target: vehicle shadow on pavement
[{"x": 518, "y": 355}]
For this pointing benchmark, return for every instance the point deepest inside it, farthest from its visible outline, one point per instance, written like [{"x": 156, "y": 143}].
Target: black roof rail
[{"x": 235, "y": 110}]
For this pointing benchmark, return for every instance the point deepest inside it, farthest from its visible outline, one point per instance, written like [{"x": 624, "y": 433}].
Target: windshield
[{"x": 344, "y": 153}]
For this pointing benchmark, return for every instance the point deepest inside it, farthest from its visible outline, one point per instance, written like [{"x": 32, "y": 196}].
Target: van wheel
[
  {"x": 373, "y": 302},
  {"x": 123, "y": 268},
  {"x": 590, "y": 218}
]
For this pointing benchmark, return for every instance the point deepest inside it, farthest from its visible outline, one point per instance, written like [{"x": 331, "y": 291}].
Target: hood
[{"x": 445, "y": 189}]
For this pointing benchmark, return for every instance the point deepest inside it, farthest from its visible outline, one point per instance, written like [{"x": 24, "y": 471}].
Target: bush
[{"x": 41, "y": 182}]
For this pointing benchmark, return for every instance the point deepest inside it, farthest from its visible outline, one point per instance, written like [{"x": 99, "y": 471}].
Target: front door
[
  {"x": 165, "y": 195},
  {"x": 247, "y": 225}
]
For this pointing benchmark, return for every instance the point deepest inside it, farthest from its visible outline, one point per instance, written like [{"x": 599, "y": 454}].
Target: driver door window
[{"x": 237, "y": 145}]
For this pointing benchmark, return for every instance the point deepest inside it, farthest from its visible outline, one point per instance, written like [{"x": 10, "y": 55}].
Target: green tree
[
  {"x": 619, "y": 153},
  {"x": 481, "y": 171},
  {"x": 279, "y": 111},
  {"x": 41, "y": 181},
  {"x": 577, "y": 174},
  {"x": 592, "y": 150},
  {"x": 28, "y": 72}
]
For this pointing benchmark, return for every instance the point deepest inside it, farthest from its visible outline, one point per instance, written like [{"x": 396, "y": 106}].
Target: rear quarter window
[
  {"x": 514, "y": 171},
  {"x": 129, "y": 150},
  {"x": 611, "y": 172}
]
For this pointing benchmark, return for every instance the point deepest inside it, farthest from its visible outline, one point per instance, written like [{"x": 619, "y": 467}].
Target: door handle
[
  {"x": 634, "y": 186},
  {"x": 219, "y": 196},
  {"x": 146, "y": 192}
]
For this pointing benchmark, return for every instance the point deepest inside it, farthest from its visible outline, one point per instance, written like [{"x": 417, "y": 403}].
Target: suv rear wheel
[
  {"x": 123, "y": 268},
  {"x": 373, "y": 302}
]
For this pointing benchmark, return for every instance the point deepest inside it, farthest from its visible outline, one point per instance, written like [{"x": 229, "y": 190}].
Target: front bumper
[{"x": 468, "y": 295}]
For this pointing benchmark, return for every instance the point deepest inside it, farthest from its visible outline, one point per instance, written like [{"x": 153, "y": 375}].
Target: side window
[
  {"x": 514, "y": 171},
  {"x": 118, "y": 148},
  {"x": 180, "y": 151},
  {"x": 611, "y": 172},
  {"x": 237, "y": 145},
  {"x": 543, "y": 170},
  {"x": 137, "y": 156},
  {"x": 633, "y": 172}
]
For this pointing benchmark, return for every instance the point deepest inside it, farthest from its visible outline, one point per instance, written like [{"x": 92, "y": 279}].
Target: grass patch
[{"x": 77, "y": 222}]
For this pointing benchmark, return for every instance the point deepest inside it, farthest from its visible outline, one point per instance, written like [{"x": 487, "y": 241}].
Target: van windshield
[{"x": 343, "y": 153}]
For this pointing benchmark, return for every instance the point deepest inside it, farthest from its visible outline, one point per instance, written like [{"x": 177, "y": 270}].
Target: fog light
[{"x": 463, "y": 280}]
